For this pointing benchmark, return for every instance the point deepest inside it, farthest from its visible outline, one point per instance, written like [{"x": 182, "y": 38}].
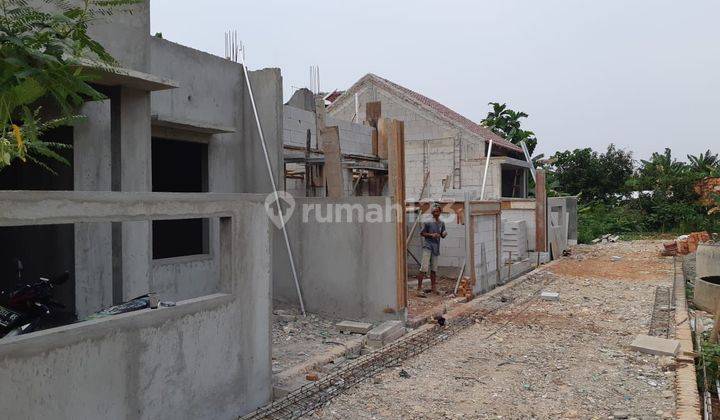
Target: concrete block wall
[
  {"x": 354, "y": 138},
  {"x": 526, "y": 215},
  {"x": 485, "y": 233},
  {"x": 514, "y": 240},
  {"x": 296, "y": 123}
]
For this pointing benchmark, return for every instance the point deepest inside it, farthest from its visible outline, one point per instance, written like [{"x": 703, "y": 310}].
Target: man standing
[{"x": 432, "y": 232}]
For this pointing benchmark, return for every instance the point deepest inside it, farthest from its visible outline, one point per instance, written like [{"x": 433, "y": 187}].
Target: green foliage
[
  {"x": 598, "y": 218},
  {"x": 704, "y": 163},
  {"x": 41, "y": 50},
  {"x": 591, "y": 175},
  {"x": 710, "y": 358},
  {"x": 657, "y": 196},
  {"x": 506, "y": 123}
]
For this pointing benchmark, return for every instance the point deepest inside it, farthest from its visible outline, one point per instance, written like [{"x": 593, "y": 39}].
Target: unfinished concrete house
[
  {"x": 438, "y": 141},
  {"x": 156, "y": 199},
  {"x": 445, "y": 161}
]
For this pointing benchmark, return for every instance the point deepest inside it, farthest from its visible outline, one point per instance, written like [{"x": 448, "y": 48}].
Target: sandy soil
[{"x": 540, "y": 359}]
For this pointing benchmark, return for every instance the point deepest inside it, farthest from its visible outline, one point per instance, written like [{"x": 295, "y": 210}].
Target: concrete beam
[{"x": 23, "y": 208}]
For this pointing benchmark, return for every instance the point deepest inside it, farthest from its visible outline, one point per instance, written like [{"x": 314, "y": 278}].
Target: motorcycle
[{"x": 31, "y": 307}]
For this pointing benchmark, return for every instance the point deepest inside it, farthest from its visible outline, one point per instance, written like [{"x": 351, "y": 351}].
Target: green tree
[
  {"x": 668, "y": 198},
  {"x": 705, "y": 163},
  {"x": 506, "y": 123},
  {"x": 591, "y": 175},
  {"x": 42, "y": 51}
]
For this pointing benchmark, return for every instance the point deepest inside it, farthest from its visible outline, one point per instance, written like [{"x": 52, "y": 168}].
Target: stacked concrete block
[
  {"x": 353, "y": 327},
  {"x": 355, "y": 139},
  {"x": 514, "y": 240},
  {"x": 526, "y": 215},
  {"x": 385, "y": 333},
  {"x": 296, "y": 123}
]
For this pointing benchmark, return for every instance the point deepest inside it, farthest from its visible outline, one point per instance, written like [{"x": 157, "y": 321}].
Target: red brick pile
[{"x": 685, "y": 246}]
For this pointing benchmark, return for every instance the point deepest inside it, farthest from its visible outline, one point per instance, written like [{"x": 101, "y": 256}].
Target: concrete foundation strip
[
  {"x": 687, "y": 405},
  {"x": 314, "y": 395},
  {"x": 351, "y": 346}
]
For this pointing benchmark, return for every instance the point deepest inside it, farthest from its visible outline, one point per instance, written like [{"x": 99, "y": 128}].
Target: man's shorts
[{"x": 429, "y": 261}]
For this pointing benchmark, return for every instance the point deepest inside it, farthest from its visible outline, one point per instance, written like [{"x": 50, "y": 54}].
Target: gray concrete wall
[
  {"x": 205, "y": 358},
  {"x": 124, "y": 35},
  {"x": 346, "y": 270},
  {"x": 213, "y": 90},
  {"x": 354, "y": 138}
]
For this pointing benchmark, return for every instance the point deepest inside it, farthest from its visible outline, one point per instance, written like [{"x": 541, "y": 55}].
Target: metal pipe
[
  {"x": 529, "y": 160},
  {"x": 272, "y": 180},
  {"x": 487, "y": 164}
]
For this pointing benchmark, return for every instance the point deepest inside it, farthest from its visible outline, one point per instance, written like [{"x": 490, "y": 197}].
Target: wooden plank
[
  {"x": 540, "y": 212},
  {"x": 374, "y": 139},
  {"x": 373, "y": 111},
  {"x": 383, "y": 132},
  {"x": 395, "y": 131},
  {"x": 330, "y": 141}
]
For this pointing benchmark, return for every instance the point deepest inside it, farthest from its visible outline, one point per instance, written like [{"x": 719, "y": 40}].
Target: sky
[{"x": 642, "y": 74}]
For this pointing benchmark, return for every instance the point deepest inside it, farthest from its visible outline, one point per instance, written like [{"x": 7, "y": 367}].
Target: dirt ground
[
  {"x": 418, "y": 305},
  {"x": 296, "y": 338},
  {"x": 540, "y": 359}
]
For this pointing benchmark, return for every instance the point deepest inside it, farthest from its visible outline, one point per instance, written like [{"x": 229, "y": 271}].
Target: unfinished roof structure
[{"x": 440, "y": 141}]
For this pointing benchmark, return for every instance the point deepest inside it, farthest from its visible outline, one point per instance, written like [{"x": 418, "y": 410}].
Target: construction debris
[
  {"x": 384, "y": 333},
  {"x": 609, "y": 237},
  {"x": 550, "y": 296},
  {"x": 655, "y": 345},
  {"x": 353, "y": 327},
  {"x": 685, "y": 244}
]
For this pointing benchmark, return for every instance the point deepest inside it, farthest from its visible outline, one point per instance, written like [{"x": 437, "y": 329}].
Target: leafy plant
[
  {"x": 43, "y": 51},
  {"x": 592, "y": 175},
  {"x": 705, "y": 163},
  {"x": 506, "y": 123}
]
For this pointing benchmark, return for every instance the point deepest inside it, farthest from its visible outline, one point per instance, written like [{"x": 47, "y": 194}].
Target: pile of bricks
[
  {"x": 466, "y": 287},
  {"x": 686, "y": 245}
]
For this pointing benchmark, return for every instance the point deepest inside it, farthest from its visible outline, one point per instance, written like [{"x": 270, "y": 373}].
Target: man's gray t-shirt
[{"x": 433, "y": 244}]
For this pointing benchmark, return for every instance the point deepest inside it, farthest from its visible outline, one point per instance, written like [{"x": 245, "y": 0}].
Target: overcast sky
[{"x": 642, "y": 74}]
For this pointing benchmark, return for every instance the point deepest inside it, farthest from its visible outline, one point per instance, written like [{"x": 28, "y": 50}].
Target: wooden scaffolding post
[
  {"x": 396, "y": 174},
  {"x": 329, "y": 142},
  {"x": 383, "y": 129},
  {"x": 540, "y": 212},
  {"x": 373, "y": 110}
]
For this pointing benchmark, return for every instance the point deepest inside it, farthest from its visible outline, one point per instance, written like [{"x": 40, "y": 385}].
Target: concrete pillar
[
  {"x": 130, "y": 145},
  {"x": 93, "y": 241}
]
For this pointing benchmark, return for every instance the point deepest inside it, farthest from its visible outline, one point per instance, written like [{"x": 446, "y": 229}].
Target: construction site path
[{"x": 537, "y": 358}]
